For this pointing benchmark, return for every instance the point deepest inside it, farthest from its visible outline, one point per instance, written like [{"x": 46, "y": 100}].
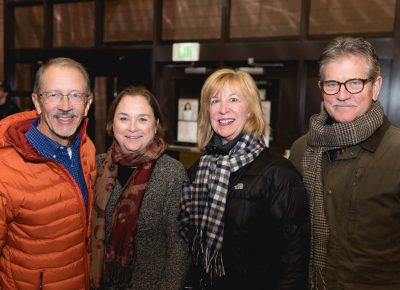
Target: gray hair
[
  {"x": 63, "y": 62},
  {"x": 343, "y": 46}
]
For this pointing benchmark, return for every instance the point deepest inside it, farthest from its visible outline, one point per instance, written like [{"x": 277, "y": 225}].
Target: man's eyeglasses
[
  {"x": 56, "y": 97},
  {"x": 353, "y": 86}
]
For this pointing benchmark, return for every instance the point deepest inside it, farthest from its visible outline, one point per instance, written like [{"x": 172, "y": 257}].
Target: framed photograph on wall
[
  {"x": 187, "y": 120},
  {"x": 188, "y": 109}
]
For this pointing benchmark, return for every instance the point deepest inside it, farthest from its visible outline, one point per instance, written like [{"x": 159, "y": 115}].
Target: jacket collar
[
  {"x": 216, "y": 147},
  {"x": 372, "y": 143},
  {"x": 14, "y": 128}
]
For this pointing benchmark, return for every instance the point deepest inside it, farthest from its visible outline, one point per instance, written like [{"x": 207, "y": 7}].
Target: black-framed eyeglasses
[
  {"x": 56, "y": 97},
  {"x": 353, "y": 86}
]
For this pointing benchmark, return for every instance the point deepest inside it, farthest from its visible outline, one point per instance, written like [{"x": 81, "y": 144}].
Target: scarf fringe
[
  {"x": 210, "y": 261},
  {"x": 317, "y": 281},
  {"x": 117, "y": 276}
]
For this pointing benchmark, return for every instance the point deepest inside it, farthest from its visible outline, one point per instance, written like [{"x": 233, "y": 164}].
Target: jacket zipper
[
  {"x": 353, "y": 201},
  {"x": 86, "y": 222},
  {"x": 41, "y": 280}
]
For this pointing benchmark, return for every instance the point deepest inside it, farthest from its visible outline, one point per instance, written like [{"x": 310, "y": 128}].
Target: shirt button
[
  {"x": 61, "y": 147},
  {"x": 54, "y": 156},
  {"x": 330, "y": 191}
]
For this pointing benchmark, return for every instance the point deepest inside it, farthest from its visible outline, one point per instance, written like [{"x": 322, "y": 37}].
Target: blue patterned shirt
[{"x": 67, "y": 156}]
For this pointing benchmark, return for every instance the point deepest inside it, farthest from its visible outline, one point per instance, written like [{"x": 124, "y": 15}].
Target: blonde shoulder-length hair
[{"x": 245, "y": 86}]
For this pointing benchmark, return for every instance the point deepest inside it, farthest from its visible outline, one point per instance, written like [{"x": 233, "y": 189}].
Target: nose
[
  {"x": 224, "y": 107},
  {"x": 132, "y": 125},
  {"x": 65, "y": 103},
  {"x": 343, "y": 94}
]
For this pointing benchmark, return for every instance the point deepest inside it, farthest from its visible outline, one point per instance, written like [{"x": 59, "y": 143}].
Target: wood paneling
[
  {"x": 264, "y": 18},
  {"x": 73, "y": 24},
  {"x": 329, "y": 17},
  {"x": 130, "y": 41},
  {"x": 128, "y": 20},
  {"x": 191, "y": 19},
  {"x": 29, "y": 27},
  {"x": 100, "y": 114}
]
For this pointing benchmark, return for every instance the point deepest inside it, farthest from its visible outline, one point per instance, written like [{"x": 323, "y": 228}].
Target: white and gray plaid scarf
[
  {"x": 323, "y": 138},
  {"x": 203, "y": 202}
]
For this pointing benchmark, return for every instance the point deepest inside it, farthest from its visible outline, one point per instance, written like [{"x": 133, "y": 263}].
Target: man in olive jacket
[{"x": 350, "y": 161}]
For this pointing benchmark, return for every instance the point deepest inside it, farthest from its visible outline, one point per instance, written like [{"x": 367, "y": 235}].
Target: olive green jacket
[{"x": 362, "y": 205}]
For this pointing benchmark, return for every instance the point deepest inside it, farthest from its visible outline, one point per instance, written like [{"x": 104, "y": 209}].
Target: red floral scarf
[{"x": 115, "y": 257}]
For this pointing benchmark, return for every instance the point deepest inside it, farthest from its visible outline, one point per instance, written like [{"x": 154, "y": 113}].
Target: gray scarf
[{"x": 323, "y": 138}]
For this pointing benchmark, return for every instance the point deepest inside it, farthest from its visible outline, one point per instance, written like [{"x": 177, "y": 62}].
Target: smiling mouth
[
  {"x": 225, "y": 121},
  {"x": 133, "y": 137},
  {"x": 65, "y": 119},
  {"x": 344, "y": 106}
]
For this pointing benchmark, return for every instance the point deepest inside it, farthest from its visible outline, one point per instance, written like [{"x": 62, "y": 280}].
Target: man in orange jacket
[{"x": 47, "y": 165}]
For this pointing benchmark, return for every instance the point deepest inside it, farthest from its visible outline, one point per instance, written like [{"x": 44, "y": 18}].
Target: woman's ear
[{"x": 157, "y": 123}]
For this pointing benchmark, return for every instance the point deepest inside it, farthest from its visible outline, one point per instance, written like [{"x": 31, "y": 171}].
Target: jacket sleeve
[
  {"x": 177, "y": 249},
  {"x": 291, "y": 206},
  {"x": 5, "y": 217}
]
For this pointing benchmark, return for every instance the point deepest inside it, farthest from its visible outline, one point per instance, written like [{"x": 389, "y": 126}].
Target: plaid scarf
[
  {"x": 203, "y": 203},
  {"x": 323, "y": 138},
  {"x": 118, "y": 252}
]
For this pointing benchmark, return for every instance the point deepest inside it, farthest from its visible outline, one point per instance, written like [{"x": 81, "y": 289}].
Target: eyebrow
[
  {"x": 140, "y": 115},
  {"x": 230, "y": 94}
]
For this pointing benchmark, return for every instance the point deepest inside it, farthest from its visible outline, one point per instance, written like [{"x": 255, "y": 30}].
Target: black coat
[{"x": 266, "y": 233}]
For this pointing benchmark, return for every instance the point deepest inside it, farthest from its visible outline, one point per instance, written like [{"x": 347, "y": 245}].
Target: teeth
[{"x": 225, "y": 121}]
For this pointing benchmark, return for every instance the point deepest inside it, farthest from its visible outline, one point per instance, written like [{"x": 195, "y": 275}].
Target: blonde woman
[{"x": 244, "y": 210}]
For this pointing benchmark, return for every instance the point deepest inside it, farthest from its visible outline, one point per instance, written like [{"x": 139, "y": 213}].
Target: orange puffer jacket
[{"x": 44, "y": 225}]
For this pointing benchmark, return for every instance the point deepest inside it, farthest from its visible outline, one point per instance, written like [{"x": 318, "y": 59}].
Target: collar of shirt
[{"x": 46, "y": 146}]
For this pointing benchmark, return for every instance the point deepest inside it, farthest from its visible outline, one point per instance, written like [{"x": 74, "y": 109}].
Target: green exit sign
[{"x": 186, "y": 51}]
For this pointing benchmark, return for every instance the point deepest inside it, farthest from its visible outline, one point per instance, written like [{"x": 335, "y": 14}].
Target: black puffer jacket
[{"x": 265, "y": 242}]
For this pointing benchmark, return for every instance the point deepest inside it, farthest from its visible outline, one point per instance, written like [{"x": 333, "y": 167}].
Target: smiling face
[
  {"x": 344, "y": 106},
  {"x": 229, "y": 112},
  {"x": 134, "y": 124},
  {"x": 60, "y": 121}
]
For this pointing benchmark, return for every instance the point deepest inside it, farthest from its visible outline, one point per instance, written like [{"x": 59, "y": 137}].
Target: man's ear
[
  {"x": 87, "y": 105},
  {"x": 376, "y": 88},
  {"x": 35, "y": 100}
]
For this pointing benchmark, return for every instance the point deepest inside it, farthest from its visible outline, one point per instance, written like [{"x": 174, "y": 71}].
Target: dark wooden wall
[{"x": 107, "y": 52}]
